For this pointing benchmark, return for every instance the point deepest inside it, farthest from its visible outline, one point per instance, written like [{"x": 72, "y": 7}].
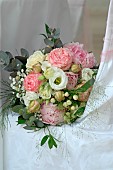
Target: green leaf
[
  {"x": 50, "y": 143},
  {"x": 9, "y": 54},
  {"x": 44, "y": 35},
  {"x": 21, "y": 120},
  {"x": 58, "y": 43},
  {"x": 15, "y": 65},
  {"x": 29, "y": 127},
  {"x": 44, "y": 139},
  {"x": 4, "y": 59},
  {"x": 86, "y": 86},
  {"x": 39, "y": 124},
  {"x": 47, "y": 50},
  {"x": 47, "y": 29},
  {"x": 57, "y": 33},
  {"x": 17, "y": 108},
  {"x": 80, "y": 111},
  {"x": 24, "y": 53},
  {"x": 22, "y": 59},
  {"x": 49, "y": 42},
  {"x": 32, "y": 119}
]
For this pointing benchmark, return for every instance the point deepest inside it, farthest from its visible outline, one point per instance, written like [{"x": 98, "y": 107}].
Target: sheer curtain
[
  {"x": 21, "y": 22},
  {"x": 85, "y": 146}
]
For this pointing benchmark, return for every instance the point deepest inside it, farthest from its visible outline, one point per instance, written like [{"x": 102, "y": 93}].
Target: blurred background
[{"x": 91, "y": 21}]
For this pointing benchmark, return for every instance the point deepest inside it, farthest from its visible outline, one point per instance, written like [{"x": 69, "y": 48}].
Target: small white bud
[
  {"x": 65, "y": 104},
  {"x": 52, "y": 100},
  {"x": 73, "y": 107},
  {"x": 75, "y": 97},
  {"x": 69, "y": 102},
  {"x": 66, "y": 94}
]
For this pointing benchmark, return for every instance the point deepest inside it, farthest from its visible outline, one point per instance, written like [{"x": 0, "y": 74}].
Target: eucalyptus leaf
[
  {"x": 24, "y": 53},
  {"x": 9, "y": 54},
  {"x": 29, "y": 127},
  {"x": 4, "y": 59},
  {"x": 57, "y": 33},
  {"x": 32, "y": 119},
  {"x": 58, "y": 43},
  {"x": 17, "y": 108},
  {"x": 44, "y": 139},
  {"x": 39, "y": 124},
  {"x": 47, "y": 50},
  {"x": 22, "y": 59},
  {"x": 49, "y": 42}
]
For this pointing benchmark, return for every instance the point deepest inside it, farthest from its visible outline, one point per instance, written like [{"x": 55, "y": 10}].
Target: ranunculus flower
[
  {"x": 45, "y": 91},
  {"x": 34, "y": 59},
  {"x": 34, "y": 106},
  {"x": 72, "y": 80},
  {"x": 59, "y": 80},
  {"x": 31, "y": 82},
  {"x": 61, "y": 58},
  {"x": 51, "y": 114},
  {"x": 30, "y": 96},
  {"x": 87, "y": 74},
  {"x": 80, "y": 56}
]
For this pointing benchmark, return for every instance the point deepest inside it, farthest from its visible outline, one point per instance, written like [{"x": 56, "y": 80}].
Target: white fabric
[{"x": 87, "y": 145}]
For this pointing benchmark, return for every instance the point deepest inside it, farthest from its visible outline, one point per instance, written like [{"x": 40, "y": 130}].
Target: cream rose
[{"x": 37, "y": 57}]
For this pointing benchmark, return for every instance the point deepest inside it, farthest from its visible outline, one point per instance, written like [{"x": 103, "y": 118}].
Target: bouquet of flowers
[{"x": 50, "y": 87}]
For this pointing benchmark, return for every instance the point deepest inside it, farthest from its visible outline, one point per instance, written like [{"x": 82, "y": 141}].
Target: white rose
[
  {"x": 34, "y": 59},
  {"x": 59, "y": 80},
  {"x": 29, "y": 97},
  {"x": 87, "y": 74}
]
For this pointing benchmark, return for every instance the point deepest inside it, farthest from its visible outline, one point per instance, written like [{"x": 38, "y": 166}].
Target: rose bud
[
  {"x": 37, "y": 68},
  {"x": 75, "y": 68},
  {"x": 59, "y": 96},
  {"x": 33, "y": 106}
]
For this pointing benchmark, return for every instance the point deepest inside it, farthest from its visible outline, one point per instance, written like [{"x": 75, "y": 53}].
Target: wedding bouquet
[{"x": 50, "y": 87}]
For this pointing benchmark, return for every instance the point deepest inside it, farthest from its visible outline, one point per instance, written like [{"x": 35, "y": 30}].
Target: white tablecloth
[{"x": 87, "y": 145}]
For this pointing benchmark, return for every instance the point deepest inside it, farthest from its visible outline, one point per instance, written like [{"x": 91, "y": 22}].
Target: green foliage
[
  {"x": 51, "y": 39},
  {"x": 24, "y": 53},
  {"x": 4, "y": 59},
  {"x": 51, "y": 141}
]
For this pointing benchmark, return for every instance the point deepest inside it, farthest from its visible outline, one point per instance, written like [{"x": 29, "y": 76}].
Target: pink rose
[
  {"x": 72, "y": 80},
  {"x": 51, "y": 114},
  {"x": 61, "y": 58},
  {"x": 80, "y": 56},
  {"x": 31, "y": 82}
]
